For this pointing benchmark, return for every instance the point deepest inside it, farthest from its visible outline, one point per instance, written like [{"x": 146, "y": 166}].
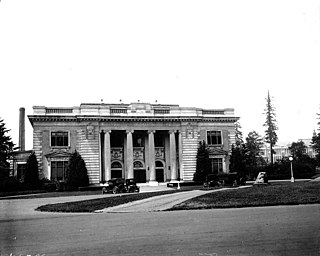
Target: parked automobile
[
  {"x": 119, "y": 185},
  {"x": 232, "y": 179},
  {"x": 212, "y": 180},
  {"x": 224, "y": 179}
]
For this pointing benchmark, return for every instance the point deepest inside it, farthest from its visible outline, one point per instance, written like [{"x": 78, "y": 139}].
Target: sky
[{"x": 195, "y": 53}]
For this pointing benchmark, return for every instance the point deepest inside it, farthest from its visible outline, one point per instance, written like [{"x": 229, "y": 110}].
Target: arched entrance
[
  {"x": 139, "y": 172},
  {"x": 116, "y": 169},
  {"x": 159, "y": 171}
]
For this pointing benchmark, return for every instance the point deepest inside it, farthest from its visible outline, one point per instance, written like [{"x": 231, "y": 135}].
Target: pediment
[
  {"x": 217, "y": 151},
  {"x": 57, "y": 154}
]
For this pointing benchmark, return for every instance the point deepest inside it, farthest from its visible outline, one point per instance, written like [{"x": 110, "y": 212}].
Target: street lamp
[{"x": 291, "y": 159}]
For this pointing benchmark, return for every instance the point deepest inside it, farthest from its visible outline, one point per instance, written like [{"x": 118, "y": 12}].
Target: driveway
[{"x": 160, "y": 203}]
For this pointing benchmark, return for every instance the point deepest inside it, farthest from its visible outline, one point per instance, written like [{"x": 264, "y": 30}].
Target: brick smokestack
[{"x": 22, "y": 129}]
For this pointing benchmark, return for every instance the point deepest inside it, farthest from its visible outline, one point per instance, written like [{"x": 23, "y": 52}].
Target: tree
[
  {"x": 238, "y": 133},
  {"x": 298, "y": 150},
  {"x": 6, "y": 147},
  {"x": 271, "y": 124},
  {"x": 238, "y": 153},
  {"x": 254, "y": 143},
  {"x": 203, "y": 162},
  {"x": 77, "y": 173},
  {"x": 316, "y": 145},
  {"x": 31, "y": 176},
  {"x": 238, "y": 159}
]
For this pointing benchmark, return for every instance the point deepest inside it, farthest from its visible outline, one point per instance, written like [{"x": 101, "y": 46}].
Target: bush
[
  {"x": 77, "y": 174},
  {"x": 48, "y": 185},
  {"x": 31, "y": 177},
  {"x": 10, "y": 184}
]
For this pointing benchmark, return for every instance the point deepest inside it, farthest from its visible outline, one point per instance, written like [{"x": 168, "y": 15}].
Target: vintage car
[
  {"x": 212, "y": 180},
  {"x": 119, "y": 185},
  {"x": 224, "y": 179}
]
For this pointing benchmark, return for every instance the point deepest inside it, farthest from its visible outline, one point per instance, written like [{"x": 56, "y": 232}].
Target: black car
[
  {"x": 232, "y": 179},
  {"x": 212, "y": 180},
  {"x": 224, "y": 179},
  {"x": 119, "y": 185}
]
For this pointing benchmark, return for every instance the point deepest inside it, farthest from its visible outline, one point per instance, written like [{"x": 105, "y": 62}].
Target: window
[
  {"x": 21, "y": 170},
  {"x": 59, "y": 170},
  {"x": 216, "y": 165},
  {"x": 214, "y": 138},
  {"x": 59, "y": 139}
]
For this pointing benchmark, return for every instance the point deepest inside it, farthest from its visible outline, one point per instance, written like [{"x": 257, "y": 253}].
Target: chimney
[{"x": 22, "y": 129}]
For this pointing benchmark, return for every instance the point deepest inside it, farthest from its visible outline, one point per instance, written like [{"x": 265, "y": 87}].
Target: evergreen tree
[
  {"x": 203, "y": 162},
  {"x": 238, "y": 133},
  {"x": 238, "y": 159},
  {"x": 77, "y": 174},
  {"x": 316, "y": 143},
  {"x": 6, "y": 147},
  {"x": 254, "y": 143},
  {"x": 271, "y": 124},
  {"x": 31, "y": 176},
  {"x": 238, "y": 153}
]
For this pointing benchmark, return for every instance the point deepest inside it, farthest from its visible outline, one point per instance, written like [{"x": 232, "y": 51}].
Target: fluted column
[
  {"x": 180, "y": 157},
  {"x": 152, "y": 158},
  {"x": 173, "y": 156},
  {"x": 107, "y": 155},
  {"x": 102, "y": 157},
  {"x": 130, "y": 155}
]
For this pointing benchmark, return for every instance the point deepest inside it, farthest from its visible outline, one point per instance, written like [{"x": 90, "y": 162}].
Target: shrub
[
  {"x": 10, "y": 184},
  {"x": 77, "y": 174},
  {"x": 31, "y": 177}
]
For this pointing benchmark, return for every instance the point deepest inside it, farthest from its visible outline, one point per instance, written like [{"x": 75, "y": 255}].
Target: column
[
  {"x": 180, "y": 157},
  {"x": 152, "y": 159},
  {"x": 173, "y": 156},
  {"x": 102, "y": 157},
  {"x": 107, "y": 155},
  {"x": 130, "y": 155}
]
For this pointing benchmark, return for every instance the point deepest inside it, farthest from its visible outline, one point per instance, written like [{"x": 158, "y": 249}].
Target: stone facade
[{"x": 149, "y": 142}]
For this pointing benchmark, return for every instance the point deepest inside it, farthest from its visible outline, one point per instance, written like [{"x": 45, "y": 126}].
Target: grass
[
  {"x": 269, "y": 195},
  {"x": 45, "y": 194},
  {"x": 101, "y": 203}
]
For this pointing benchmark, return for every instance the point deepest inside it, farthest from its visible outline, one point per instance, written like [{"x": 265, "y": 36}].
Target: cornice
[{"x": 146, "y": 119}]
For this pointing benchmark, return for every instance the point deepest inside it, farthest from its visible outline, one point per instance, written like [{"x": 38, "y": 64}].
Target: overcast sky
[{"x": 206, "y": 54}]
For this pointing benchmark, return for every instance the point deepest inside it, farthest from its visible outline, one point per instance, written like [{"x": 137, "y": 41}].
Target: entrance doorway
[
  {"x": 139, "y": 172},
  {"x": 116, "y": 170},
  {"x": 159, "y": 171}
]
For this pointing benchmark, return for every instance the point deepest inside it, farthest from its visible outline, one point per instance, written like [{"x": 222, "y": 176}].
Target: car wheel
[{"x": 115, "y": 190}]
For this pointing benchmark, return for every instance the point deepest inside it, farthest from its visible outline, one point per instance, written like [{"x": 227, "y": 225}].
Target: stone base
[{"x": 153, "y": 183}]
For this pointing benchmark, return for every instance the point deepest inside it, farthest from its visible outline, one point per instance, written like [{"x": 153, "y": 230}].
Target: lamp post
[{"x": 291, "y": 159}]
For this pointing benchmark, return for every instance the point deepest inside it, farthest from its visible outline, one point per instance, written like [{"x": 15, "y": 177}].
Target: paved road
[
  {"x": 293, "y": 230},
  {"x": 284, "y": 230}
]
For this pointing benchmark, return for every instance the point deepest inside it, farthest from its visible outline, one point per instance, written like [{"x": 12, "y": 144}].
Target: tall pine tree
[
  {"x": 271, "y": 136},
  {"x": 6, "y": 147}
]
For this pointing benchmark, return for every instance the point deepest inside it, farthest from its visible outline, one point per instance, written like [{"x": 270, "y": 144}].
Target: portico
[{"x": 147, "y": 155}]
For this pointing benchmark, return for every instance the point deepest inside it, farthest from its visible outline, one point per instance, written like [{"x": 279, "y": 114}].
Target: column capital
[
  {"x": 151, "y": 131},
  {"x": 129, "y": 131},
  {"x": 172, "y": 131},
  {"x": 105, "y": 131}
]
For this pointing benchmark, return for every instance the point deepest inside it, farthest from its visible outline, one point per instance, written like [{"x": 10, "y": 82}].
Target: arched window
[{"x": 137, "y": 165}]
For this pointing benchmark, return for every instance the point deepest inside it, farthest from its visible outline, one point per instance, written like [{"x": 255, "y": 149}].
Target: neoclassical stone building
[{"x": 149, "y": 142}]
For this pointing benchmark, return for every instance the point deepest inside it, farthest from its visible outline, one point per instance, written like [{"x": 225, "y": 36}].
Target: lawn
[
  {"x": 267, "y": 195},
  {"x": 101, "y": 203}
]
